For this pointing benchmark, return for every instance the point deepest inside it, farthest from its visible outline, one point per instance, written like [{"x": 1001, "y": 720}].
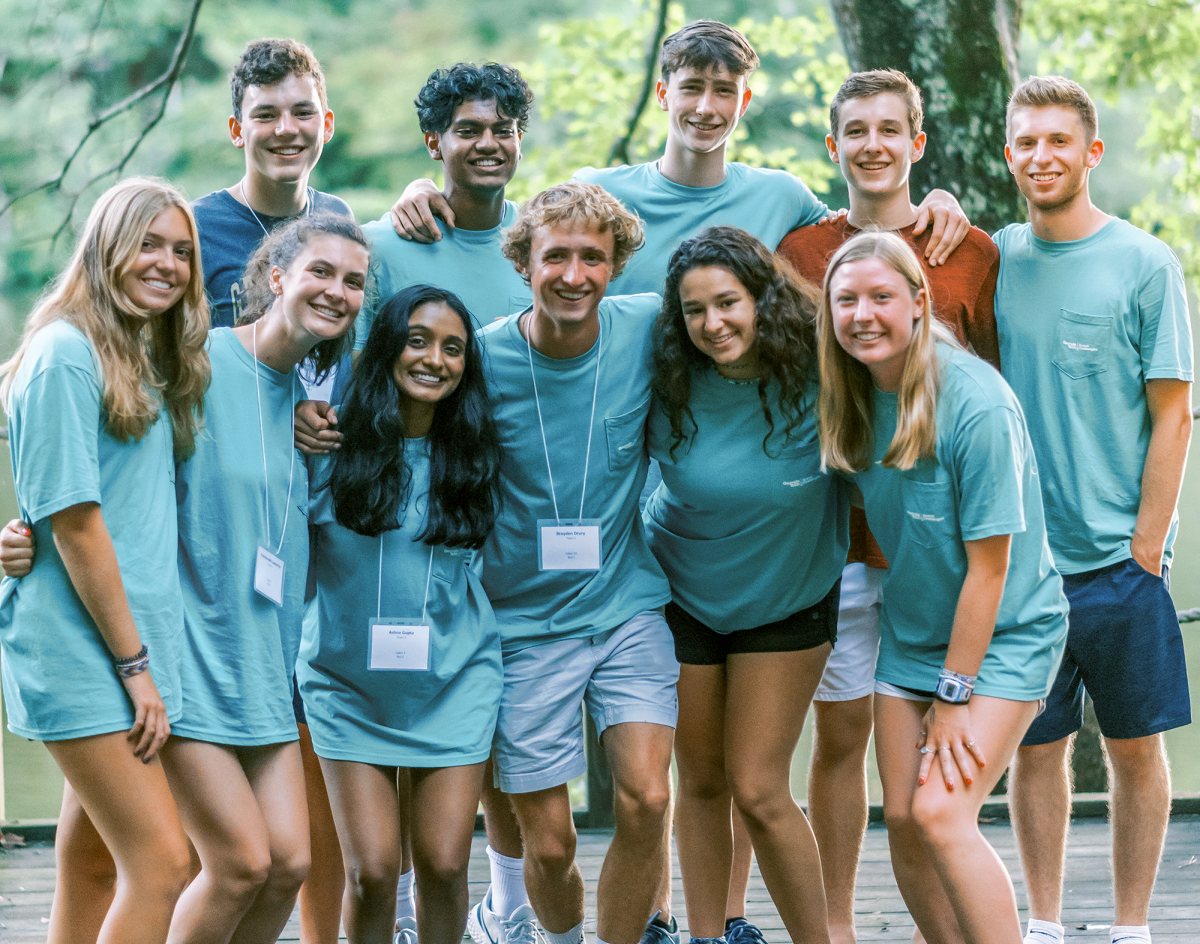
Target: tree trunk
[{"x": 962, "y": 54}]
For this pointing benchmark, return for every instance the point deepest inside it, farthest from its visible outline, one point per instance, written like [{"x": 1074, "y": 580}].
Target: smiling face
[
  {"x": 570, "y": 264},
  {"x": 874, "y": 146},
  {"x": 322, "y": 290},
  {"x": 720, "y": 317},
  {"x": 161, "y": 270},
  {"x": 1049, "y": 154},
  {"x": 283, "y": 129},
  {"x": 703, "y": 106},
  {"x": 431, "y": 365},
  {"x": 875, "y": 316},
  {"x": 480, "y": 149}
]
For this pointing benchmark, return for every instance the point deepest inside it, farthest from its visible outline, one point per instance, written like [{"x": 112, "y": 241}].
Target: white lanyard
[
  {"x": 591, "y": 421},
  {"x": 379, "y": 596},
  {"x": 263, "y": 439},
  {"x": 307, "y": 208}
]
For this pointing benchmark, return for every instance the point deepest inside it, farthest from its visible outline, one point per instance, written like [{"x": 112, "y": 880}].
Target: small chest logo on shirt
[
  {"x": 798, "y": 482},
  {"x": 1079, "y": 346},
  {"x": 917, "y": 516}
]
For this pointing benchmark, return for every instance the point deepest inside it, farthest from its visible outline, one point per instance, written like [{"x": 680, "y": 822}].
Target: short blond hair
[
  {"x": 1044, "y": 91},
  {"x": 575, "y": 202}
]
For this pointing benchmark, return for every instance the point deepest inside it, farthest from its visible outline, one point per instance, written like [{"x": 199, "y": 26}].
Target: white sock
[
  {"x": 574, "y": 936},
  {"x": 405, "y": 905},
  {"x": 1044, "y": 932},
  {"x": 1129, "y": 934},
  {"x": 508, "y": 883}
]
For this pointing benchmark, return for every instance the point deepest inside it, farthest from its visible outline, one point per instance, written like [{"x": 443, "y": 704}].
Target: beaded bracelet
[
  {"x": 133, "y": 665},
  {"x": 136, "y": 657}
]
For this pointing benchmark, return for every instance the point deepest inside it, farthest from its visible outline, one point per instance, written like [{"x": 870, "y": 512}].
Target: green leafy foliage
[{"x": 1109, "y": 46}]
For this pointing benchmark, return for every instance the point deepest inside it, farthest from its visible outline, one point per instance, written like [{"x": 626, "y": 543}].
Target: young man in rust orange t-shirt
[{"x": 875, "y": 135}]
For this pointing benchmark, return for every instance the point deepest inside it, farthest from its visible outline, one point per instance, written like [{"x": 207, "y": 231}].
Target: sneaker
[
  {"x": 483, "y": 924},
  {"x": 521, "y": 928},
  {"x": 658, "y": 932},
  {"x": 406, "y": 931},
  {"x": 486, "y": 927},
  {"x": 741, "y": 931}
]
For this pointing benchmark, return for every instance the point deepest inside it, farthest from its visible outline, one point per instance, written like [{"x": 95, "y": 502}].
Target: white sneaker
[
  {"x": 483, "y": 924},
  {"x": 521, "y": 928},
  {"x": 486, "y": 927},
  {"x": 406, "y": 931}
]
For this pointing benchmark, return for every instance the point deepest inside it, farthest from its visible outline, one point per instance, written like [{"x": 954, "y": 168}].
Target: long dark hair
[
  {"x": 785, "y": 308},
  {"x": 370, "y": 479}
]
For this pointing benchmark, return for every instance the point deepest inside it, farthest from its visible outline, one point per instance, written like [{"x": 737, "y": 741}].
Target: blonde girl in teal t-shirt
[
  {"x": 974, "y": 619},
  {"x": 102, "y": 396}
]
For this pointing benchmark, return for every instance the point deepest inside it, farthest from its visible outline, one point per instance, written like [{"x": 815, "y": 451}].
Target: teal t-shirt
[
  {"x": 58, "y": 676},
  {"x": 437, "y": 718},
  {"x": 465, "y": 262},
  {"x": 983, "y": 483},
  {"x": 746, "y": 537},
  {"x": 239, "y": 648},
  {"x": 534, "y": 606},
  {"x": 768, "y": 204},
  {"x": 1083, "y": 325}
]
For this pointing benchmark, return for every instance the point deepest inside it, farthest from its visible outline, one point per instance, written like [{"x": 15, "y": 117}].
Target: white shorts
[
  {"x": 850, "y": 671},
  {"x": 625, "y": 674}
]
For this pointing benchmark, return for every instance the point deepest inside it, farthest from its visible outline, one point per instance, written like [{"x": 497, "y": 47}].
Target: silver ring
[
  {"x": 970, "y": 743},
  {"x": 926, "y": 750}
]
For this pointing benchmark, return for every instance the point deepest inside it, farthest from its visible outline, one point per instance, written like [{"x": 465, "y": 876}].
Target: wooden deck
[{"x": 27, "y": 880}]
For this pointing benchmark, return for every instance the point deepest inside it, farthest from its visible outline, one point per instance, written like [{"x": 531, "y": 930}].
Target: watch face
[{"x": 953, "y": 691}]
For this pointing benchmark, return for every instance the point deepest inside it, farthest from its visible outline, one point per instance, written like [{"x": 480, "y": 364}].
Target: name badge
[
  {"x": 398, "y": 645},
  {"x": 268, "y": 576},
  {"x": 568, "y": 544}
]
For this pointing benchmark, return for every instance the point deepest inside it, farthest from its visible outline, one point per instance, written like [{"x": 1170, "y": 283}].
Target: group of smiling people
[{"x": 436, "y": 597}]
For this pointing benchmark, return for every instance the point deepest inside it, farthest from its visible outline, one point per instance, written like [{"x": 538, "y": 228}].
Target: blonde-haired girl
[
  {"x": 974, "y": 619},
  {"x": 102, "y": 395}
]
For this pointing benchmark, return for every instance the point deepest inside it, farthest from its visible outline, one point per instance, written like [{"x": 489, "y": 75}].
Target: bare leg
[
  {"x": 739, "y": 873},
  {"x": 321, "y": 894},
  {"x": 85, "y": 876},
  {"x": 662, "y": 898},
  {"x": 768, "y": 697},
  {"x": 640, "y": 756},
  {"x": 1140, "y": 811},
  {"x": 131, "y": 807},
  {"x": 366, "y": 811},
  {"x": 837, "y": 803},
  {"x": 703, "y": 815},
  {"x": 444, "y": 801},
  {"x": 552, "y": 878},
  {"x": 1039, "y": 787},
  {"x": 499, "y": 818}
]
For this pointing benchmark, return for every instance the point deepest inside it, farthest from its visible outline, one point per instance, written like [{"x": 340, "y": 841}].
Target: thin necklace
[{"x": 308, "y": 205}]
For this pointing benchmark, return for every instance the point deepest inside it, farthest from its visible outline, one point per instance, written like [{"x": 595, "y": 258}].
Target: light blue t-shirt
[
  {"x": 535, "y": 606},
  {"x": 239, "y": 647},
  {"x": 1083, "y": 325},
  {"x": 746, "y": 537},
  {"x": 768, "y": 204},
  {"x": 58, "y": 676},
  {"x": 465, "y": 262},
  {"x": 983, "y": 483},
  {"x": 437, "y": 718}
]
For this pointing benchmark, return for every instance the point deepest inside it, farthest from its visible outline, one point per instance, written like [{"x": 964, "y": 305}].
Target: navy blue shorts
[{"x": 1125, "y": 648}]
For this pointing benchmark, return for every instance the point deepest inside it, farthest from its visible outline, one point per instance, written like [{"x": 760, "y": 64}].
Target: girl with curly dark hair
[
  {"x": 752, "y": 535},
  {"x": 406, "y": 679}
]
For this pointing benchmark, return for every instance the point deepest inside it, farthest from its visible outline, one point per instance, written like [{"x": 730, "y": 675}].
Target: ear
[
  {"x": 235, "y": 133},
  {"x": 660, "y": 92},
  {"x": 745, "y": 101},
  {"x": 1095, "y": 152},
  {"x": 832, "y": 148},
  {"x": 275, "y": 281},
  {"x": 1008, "y": 159},
  {"x": 919, "y": 301},
  {"x": 918, "y": 147},
  {"x": 328, "y": 129},
  {"x": 433, "y": 144}
]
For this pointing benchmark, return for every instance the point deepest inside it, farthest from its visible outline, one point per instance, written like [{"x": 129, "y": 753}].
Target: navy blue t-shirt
[{"x": 229, "y": 234}]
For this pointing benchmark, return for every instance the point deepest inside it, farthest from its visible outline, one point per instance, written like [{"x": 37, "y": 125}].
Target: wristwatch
[{"x": 954, "y": 689}]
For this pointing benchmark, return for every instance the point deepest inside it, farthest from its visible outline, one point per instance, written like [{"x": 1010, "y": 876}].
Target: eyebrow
[{"x": 271, "y": 106}]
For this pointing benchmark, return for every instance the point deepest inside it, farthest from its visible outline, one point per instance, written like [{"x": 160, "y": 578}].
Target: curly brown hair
[
  {"x": 574, "y": 202},
  {"x": 784, "y": 332}
]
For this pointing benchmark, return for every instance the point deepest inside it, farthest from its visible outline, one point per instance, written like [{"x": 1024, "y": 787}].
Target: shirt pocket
[
  {"x": 1081, "y": 343},
  {"x": 626, "y": 436},
  {"x": 930, "y": 515}
]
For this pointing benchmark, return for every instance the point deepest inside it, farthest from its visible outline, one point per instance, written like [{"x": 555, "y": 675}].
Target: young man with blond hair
[{"x": 1095, "y": 341}]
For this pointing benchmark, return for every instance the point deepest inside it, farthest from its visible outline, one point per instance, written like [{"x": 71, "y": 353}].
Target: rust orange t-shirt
[{"x": 963, "y": 289}]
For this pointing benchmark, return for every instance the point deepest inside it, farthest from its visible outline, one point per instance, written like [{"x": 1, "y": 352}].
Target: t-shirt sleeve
[
  {"x": 981, "y": 319},
  {"x": 381, "y": 291},
  {"x": 57, "y": 452},
  {"x": 989, "y": 454},
  {"x": 1166, "y": 338},
  {"x": 808, "y": 209}
]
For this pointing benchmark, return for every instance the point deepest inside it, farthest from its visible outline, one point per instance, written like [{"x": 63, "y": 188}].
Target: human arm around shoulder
[
  {"x": 950, "y": 225},
  {"x": 413, "y": 214},
  {"x": 316, "y": 427},
  {"x": 16, "y": 549},
  {"x": 947, "y": 728},
  {"x": 1170, "y": 406},
  {"x": 87, "y": 553}
]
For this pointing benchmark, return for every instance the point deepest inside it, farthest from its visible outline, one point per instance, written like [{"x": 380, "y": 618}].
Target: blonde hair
[
  {"x": 847, "y": 419},
  {"x": 1045, "y": 91},
  {"x": 574, "y": 202},
  {"x": 145, "y": 363}
]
